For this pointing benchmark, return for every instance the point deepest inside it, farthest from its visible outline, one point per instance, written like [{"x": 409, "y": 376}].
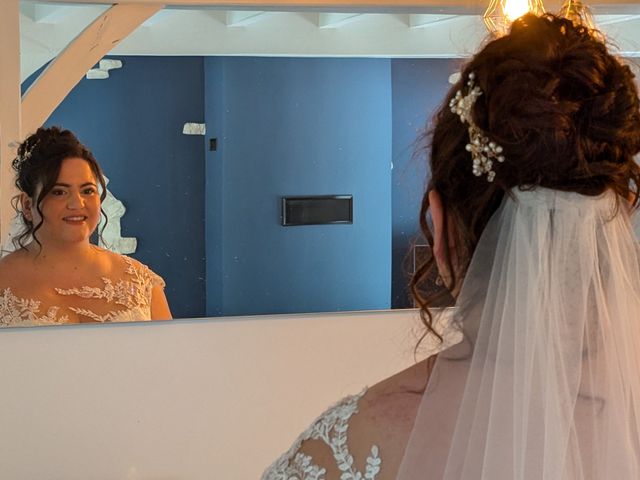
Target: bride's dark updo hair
[
  {"x": 566, "y": 113},
  {"x": 37, "y": 166}
]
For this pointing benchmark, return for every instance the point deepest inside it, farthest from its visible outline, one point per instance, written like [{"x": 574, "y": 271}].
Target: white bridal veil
[{"x": 546, "y": 383}]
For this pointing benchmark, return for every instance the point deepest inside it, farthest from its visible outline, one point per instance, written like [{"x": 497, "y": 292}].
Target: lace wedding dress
[
  {"x": 331, "y": 428},
  {"x": 125, "y": 299}
]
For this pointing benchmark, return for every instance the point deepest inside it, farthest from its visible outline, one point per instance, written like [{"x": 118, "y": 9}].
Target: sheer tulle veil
[{"x": 546, "y": 381}]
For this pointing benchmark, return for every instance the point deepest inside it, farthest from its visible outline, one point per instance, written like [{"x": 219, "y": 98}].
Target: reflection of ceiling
[{"x": 47, "y": 27}]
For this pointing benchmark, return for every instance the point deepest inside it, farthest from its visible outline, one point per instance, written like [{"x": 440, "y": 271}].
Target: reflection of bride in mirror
[{"x": 56, "y": 275}]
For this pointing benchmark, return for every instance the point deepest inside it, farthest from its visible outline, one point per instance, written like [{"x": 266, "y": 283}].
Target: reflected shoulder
[
  {"x": 117, "y": 260},
  {"x": 11, "y": 265}
]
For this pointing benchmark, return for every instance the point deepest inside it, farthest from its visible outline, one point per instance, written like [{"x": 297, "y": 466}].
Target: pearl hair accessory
[{"x": 483, "y": 151}]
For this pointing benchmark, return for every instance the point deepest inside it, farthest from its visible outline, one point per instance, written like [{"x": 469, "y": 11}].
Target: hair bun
[{"x": 565, "y": 110}]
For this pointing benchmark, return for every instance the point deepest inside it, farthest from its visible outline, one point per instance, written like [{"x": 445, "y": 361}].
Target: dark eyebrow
[{"x": 69, "y": 186}]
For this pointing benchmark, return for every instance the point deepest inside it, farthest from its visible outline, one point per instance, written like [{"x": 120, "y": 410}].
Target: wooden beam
[
  {"x": 64, "y": 73},
  {"x": 9, "y": 106}
]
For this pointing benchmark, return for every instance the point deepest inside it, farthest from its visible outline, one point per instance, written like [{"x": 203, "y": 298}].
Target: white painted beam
[
  {"x": 614, "y": 19},
  {"x": 157, "y": 19},
  {"x": 28, "y": 10},
  {"x": 335, "y": 20},
  {"x": 84, "y": 52},
  {"x": 51, "y": 13},
  {"x": 9, "y": 106},
  {"x": 242, "y": 18},
  {"x": 417, "y": 20},
  {"x": 46, "y": 13},
  {"x": 297, "y": 34}
]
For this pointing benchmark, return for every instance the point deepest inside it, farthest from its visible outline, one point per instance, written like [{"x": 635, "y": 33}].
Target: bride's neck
[{"x": 67, "y": 254}]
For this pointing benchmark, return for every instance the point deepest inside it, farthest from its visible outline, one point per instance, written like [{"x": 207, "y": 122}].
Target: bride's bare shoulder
[
  {"x": 384, "y": 420},
  {"x": 113, "y": 263},
  {"x": 12, "y": 266},
  {"x": 387, "y": 411}
]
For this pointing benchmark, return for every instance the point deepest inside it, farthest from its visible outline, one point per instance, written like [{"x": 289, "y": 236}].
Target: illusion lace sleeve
[
  {"x": 153, "y": 278},
  {"x": 125, "y": 298},
  {"x": 331, "y": 428}
]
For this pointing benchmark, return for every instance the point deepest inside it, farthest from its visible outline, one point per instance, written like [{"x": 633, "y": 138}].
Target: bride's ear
[
  {"x": 437, "y": 215},
  {"x": 27, "y": 206},
  {"x": 444, "y": 249}
]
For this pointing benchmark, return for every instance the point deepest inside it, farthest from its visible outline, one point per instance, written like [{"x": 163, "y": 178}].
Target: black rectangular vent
[{"x": 317, "y": 210}]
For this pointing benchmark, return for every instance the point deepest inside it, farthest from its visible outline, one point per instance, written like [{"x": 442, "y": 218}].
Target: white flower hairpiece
[
  {"x": 483, "y": 151},
  {"x": 25, "y": 155}
]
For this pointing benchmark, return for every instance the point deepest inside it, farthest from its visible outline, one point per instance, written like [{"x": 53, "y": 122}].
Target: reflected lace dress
[
  {"x": 127, "y": 299},
  {"x": 331, "y": 428}
]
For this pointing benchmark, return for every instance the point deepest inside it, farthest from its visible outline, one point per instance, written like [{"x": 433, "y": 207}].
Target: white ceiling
[{"x": 47, "y": 27}]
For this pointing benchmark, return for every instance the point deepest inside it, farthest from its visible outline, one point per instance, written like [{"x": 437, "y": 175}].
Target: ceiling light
[{"x": 501, "y": 13}]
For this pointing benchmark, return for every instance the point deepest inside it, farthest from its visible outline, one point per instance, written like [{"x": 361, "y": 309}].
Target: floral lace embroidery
[
  {"x": 134, "y": 294},
  {"x": 26, "y": 312},
  {"x": 331, "y": 428}
]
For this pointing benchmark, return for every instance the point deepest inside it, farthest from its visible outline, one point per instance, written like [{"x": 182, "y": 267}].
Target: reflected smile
[{"x": 75, "y": 218}]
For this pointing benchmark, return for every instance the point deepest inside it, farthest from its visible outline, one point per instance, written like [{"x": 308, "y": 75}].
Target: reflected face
[{"x": 71, "y": 210}]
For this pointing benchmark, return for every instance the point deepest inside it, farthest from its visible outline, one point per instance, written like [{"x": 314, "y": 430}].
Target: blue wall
[
  {"x": 215, "y": 114},
  {"x": 293, "y": 126},
  {"x": 419, "y": 86},
  {"x": 133, "y": 124}
]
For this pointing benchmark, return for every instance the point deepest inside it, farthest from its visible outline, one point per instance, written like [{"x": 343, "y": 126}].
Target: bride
[
  {"x": 56, "y": 275},
  {"x": 531, "y": 192}
]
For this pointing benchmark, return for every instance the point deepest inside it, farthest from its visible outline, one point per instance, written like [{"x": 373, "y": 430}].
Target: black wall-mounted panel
[{"x": 317, "y": 210}]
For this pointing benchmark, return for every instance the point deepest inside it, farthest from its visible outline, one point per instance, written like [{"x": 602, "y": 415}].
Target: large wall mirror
[{"x": 294, "y": 102}]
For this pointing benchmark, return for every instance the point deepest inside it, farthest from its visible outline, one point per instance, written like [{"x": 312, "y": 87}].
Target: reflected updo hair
[
  {"x": 566, "y": 113},
  {"x": 37, "y": 166}
]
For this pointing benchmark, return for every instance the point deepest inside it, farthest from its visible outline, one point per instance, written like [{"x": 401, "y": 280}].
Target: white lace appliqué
[
  {"x": 25, "y": 312},
  {"x": 132, "y": 293},
  {"x": 331, "y": 428}
]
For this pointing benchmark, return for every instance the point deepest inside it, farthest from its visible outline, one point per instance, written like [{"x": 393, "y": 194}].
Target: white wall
[{"x": 187, "y": 399}]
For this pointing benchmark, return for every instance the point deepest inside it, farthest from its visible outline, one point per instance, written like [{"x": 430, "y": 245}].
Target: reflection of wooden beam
[
  {"x": 9, "y": 106},
  {"x": 84, "y": 52}
]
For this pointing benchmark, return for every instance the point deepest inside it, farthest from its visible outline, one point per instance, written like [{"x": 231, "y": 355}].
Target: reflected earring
[{"x": 439, "y": 280}]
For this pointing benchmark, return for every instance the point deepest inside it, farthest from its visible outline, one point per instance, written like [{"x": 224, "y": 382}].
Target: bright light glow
[{"x": 515, "y": 8}]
